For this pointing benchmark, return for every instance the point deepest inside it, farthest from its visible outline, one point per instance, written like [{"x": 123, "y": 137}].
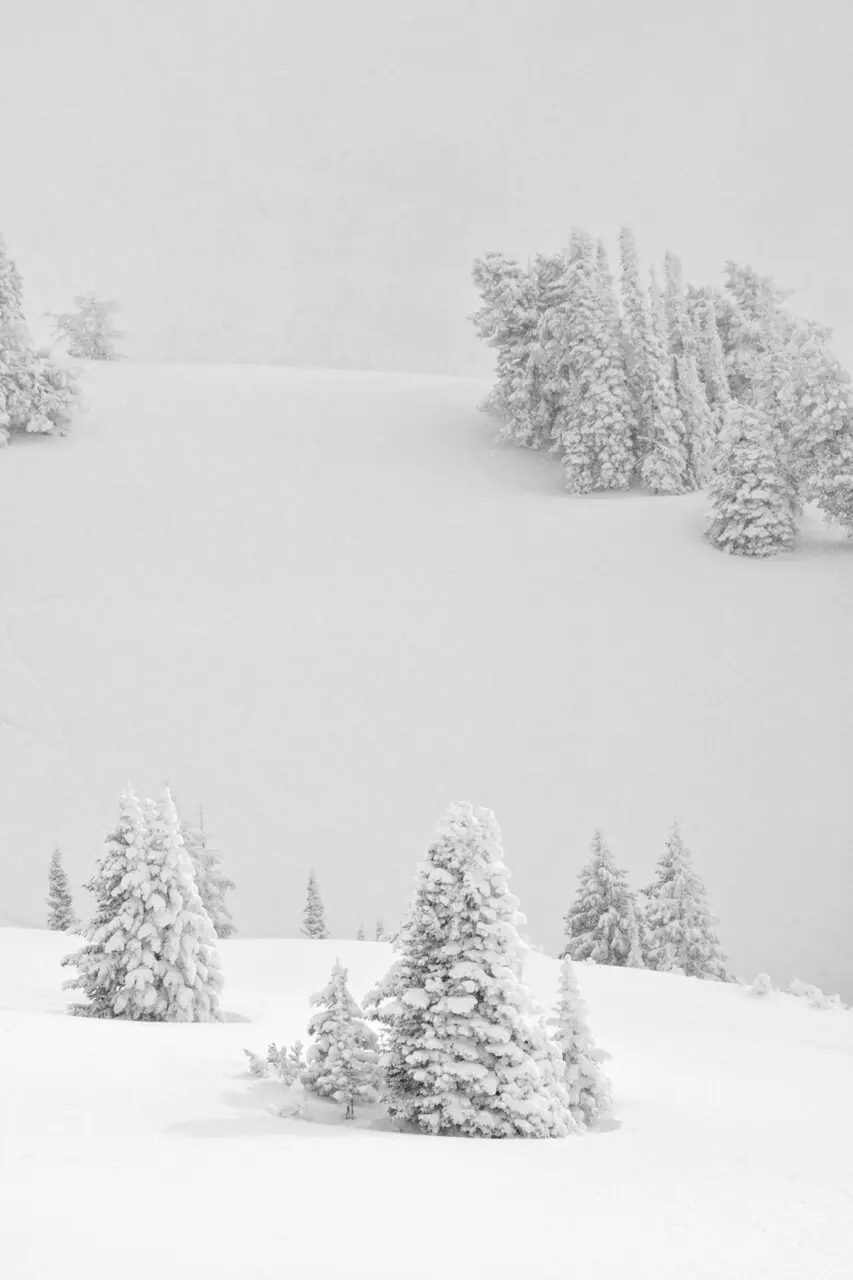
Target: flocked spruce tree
[
  {"x": 343, "y": 1059},
  {"x": 150, "y": 951},
  {"x": 360, "y": 935},
  {"x": 753, "y": 510},
  {"x": 314, "y": 915},
  {"x": 590, "y": 1093},
  {"x": 594, "y": 424},
  {"x": 37, "y": 395},
  {"x": 88, "y": 330},
  {"x": 60, "y": 915},
  {"x": 211, "y": 882},
  {"x": 679, "y": 934},
  {"x": 696, "y": 417},
  {"x": 601, "y": 924},
  {"x": 466, "y": 1050},
  {"x": 821, "y": 437},
  {"x": 541, "y": 386},
  {"x": 380, "y": 930},
  {"x": 661, "y": 451},
  {"x": 507, "y": 321}
]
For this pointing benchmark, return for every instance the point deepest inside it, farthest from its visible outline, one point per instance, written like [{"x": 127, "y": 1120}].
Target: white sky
[{"x": 308, "y": 183}]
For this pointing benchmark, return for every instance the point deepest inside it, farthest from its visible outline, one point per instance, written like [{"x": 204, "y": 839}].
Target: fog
[{"x": 308, "y": 184}]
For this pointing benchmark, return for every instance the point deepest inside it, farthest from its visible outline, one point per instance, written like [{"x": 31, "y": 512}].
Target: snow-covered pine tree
[
  {"x": 697, "y": 420},
  {"x": 821, "y": 436},
  {"x": 753, "y": 511},
  {"x": 466, "y": 1048},
  {"x": 360, "y": 935},
  {"x": 88, "y": 329},
  {"x": 314, "y": 915},
  {"x": 508, "y": 321},
  {"x": 380, "y": 930},
  {"x": 711, "y": 362},
  {"x": 679, "y": 934},
  {"x": 601, "y": 924},
  {"x": 211, "y": 882},
  {"x": 661, "y": 451},
  {"x": 150, "y": 950},
  {"x": 343, "y": 1061},
  {"x": 590, "y": 1093},
  {"x": 540, "y": 387},
  {"x": 593, "y": 427},
  {"x": 36, "y": 394},
  {"x": 60, "y": 914}
]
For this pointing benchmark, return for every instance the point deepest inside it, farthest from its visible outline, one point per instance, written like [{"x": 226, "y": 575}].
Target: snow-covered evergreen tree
[
  {"x": 314, "y": 915},
  {"x": 150, "y": 951},
  {"x": 88, "y": 329},
  {"x": 711, "y": 360},
  {"x": 360, "y": 935},
  {"x": 211, "y": 882},
  {"x": 593, "y": 427},
  {"x": 466, "y": 1049},
  {"x": 753, "y": 509},
  {"x": 679, "y": 933},
  {"x": 380, "y": 930},
  {"x": 821, "y": 435},
  {"x": 661, "y": 450},
  {"x": 590, "y": 1093},
  {"x": 601, "y": 924},
  {"x": 60, "y": 914},
  {"x": 36, "y": 394},
  {"x": 343, "y": 1061},
  {"x": 508, "y": 321},
  {"x": 541, "y": 388},
  {"x": 696, "y": 417}
]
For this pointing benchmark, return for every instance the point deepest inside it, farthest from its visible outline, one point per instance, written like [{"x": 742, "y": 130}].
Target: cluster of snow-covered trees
[
  {"x": 150, "y": 949},
  {"x": 314, "y": 916},
  {"x": 36, "y": 393},
  {"x": 678, "y": 388},
  {"x": 87, "y": 331},
  {"x": 461, "y": 1047},
  {"x": 667, "y": 926}
]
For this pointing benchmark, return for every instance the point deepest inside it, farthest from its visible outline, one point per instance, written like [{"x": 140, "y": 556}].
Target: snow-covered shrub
[
  {"x": 590, "y": 1094},
  {"x": 343, "y": 1061},
  {"x": 761, "y": 985},
  {"x": 814, "y": 995},
  {"x": 601, "y": 924},
  {"x": 150, "y": 952},
  {"x": 466, "y": 1050},
  {"x": 258, "y": 1066}
]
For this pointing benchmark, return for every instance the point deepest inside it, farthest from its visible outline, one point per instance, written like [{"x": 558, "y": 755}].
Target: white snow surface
[
  {"x": 148, "y": 1149},
  {"x": 325, "y": 604}
]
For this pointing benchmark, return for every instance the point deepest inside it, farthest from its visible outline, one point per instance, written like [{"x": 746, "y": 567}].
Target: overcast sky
[{"x": 308, "y": 183}]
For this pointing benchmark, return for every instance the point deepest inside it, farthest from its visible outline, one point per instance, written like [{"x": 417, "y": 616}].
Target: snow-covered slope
[
  {"x": 139, "y": 1149},
  {"x": 325, "y": 604}
]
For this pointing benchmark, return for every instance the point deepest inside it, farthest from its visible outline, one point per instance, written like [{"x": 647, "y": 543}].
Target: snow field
[{"x": 149, "y": 1149}]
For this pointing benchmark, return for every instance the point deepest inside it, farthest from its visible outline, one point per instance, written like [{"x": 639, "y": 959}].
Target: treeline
[{"x": 674, "y": 388}]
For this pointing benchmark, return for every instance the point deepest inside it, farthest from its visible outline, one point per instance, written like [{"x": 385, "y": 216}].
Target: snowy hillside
[
  {"x": 717, "y": 1163},
  {"x": 324, "y": 604}
]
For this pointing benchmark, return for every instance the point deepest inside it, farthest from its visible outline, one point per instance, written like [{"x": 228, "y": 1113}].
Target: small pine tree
[
  {"x": 466, "y": 1048},
  {"x": 380, "y": 930},
  {"x": 150, "y": 949},
  {"x": 343, "y": 1061},
  {"x": 314, "y": 916},
  {"x": 753, "y": 509},
  {"x": 360, "y": 934},
  {"x": 679, "y": 934},
  {"x": 210, "y": 881},
  {"x": 60, "y": 905},
  {"x": 589, "y": 1089},
  {"x": 601, "y": 924},
  {"x": 88, "y": 329}
]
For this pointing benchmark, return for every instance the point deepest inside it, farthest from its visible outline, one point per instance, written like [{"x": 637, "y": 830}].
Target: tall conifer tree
[
  {"x": 61, "y": 914},
  {"x": 314, "y": 915},
  {"x": 679, "y": 934},
  {"x": 601, "y": 923}
]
